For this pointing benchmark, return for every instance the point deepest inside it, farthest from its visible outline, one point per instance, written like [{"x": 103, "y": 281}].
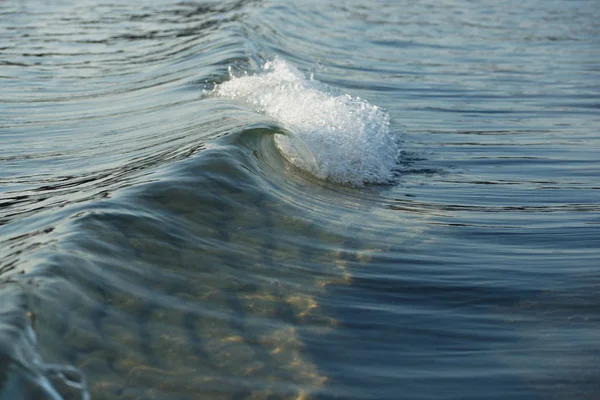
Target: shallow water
[{"x": 289, "y": 200}]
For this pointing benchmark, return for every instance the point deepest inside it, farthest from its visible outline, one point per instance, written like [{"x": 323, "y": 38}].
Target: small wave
[{"x": 340, "y": 138}]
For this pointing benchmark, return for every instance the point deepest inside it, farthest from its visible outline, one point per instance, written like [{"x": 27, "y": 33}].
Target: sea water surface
[{"x": 272, "y": 199}]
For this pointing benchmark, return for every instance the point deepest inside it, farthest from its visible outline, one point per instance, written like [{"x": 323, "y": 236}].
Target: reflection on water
[{"x": 431, "y": 234}]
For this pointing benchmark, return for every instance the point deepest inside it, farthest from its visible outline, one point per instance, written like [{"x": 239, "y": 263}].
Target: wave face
[
  {"x": 293, "y": 200},
  {"x": 337, "y": 137}
]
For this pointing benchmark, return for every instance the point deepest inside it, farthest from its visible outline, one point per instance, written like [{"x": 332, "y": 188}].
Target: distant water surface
[{"x": 300, "y": 199}]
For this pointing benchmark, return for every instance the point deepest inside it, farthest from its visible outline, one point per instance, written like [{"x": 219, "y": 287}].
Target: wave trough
[{"x": 340, "y": 138}]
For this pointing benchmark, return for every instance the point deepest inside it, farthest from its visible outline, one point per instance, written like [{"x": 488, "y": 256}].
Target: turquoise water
[{"x": 299, "y": 200}]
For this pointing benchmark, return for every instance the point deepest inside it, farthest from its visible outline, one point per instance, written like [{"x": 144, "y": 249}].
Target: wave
[{"x": 336, "y": 137}]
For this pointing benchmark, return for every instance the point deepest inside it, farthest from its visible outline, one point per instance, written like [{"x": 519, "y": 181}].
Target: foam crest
[{"x": 336, "y": 137}]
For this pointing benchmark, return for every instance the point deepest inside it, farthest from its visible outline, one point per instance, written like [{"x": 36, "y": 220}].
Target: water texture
[{"x": 299, "y": 199}]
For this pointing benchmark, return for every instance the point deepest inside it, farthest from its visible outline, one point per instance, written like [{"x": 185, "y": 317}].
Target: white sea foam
[{"x": 336, "y": 137}]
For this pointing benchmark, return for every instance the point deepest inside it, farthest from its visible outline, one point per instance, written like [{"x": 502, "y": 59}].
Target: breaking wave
[{"x": 337, "y": 137}]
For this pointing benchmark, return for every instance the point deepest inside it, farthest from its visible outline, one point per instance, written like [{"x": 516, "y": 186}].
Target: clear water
[{"x": 299, "y": 199}]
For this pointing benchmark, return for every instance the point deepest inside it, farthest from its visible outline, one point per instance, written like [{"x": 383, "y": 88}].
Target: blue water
[{"x": 299, "y": 200}]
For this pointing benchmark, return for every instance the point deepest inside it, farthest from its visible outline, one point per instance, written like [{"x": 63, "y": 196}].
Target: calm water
[{"x": 300, "y": 199}]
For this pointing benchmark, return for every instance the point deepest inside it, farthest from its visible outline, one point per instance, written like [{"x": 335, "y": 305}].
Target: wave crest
[{"x": 340, "y": 138}]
